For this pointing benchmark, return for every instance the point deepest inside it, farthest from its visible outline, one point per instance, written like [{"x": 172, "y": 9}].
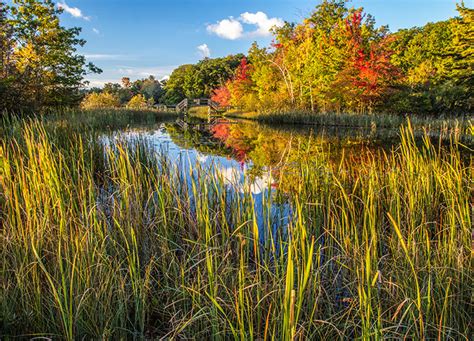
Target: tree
[
  {"x": 462, "y": 53},
  {"x": 461, "y": 60},
  {"x": 241, "y": 86},
  {"x": 123, "y": 94},
  {"x": 102, "y": 100},
  {"x": 221, "y": 95},
  {"x": 126, "y": 82},
  {"x": 436, "y": 63},
  {"x": 7, "y": 70},
  {"x": 46, "y": 69},
  {"x": 137, "y": 102},
  {"x": 368, "y": 71},
  {"x": 148, "y": 87},
  {"x": 199, "y": 80},
  {"x": 175, "y": 91}
]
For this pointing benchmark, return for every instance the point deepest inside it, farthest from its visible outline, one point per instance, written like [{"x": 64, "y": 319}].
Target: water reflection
[
  {"x": 259, "y": 159},
  {"x": 251, "y": 155}
]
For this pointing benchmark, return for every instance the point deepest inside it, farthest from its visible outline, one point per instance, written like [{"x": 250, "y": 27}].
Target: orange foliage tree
[
  {"x": 221, "y": 95},
  {"x": 369, "y": 70}
]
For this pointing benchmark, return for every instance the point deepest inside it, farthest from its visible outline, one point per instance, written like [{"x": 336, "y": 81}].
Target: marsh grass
[
  {"x": 123, "y": 244},
  {"x": 447, "y": 125}
]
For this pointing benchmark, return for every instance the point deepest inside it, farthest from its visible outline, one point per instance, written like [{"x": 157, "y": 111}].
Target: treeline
[
  {"x": 39, "y": 63},
  {"x": 140, "y": 94},
  {"x": 201, "y": 79},
  {"x": 338, "y": 60},
  {"x": 186, "y": 81}
]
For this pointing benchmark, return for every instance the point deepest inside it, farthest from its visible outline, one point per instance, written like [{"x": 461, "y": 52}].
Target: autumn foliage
[
  {"x": 368, "y": 71},
  {"x": 221, "y": 95},
  {"x": 338, "y": 60}
]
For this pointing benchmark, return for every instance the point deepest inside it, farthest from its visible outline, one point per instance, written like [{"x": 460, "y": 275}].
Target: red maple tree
[
  {"x": 370, "y": 66},
  {"x": 221, "y": 95}
]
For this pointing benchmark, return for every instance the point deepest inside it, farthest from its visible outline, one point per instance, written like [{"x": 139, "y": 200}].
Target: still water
[
  {"x": 252, "y": 155},
  {"x": 249, "y": 155},
  {"x": 258, "y": 159},
  {"x": 255, "y": 158}
]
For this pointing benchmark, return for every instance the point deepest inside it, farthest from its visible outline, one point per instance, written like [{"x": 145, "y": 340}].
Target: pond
[
  {"x": 258, "y": 158},
  {"x": 247, "y": 149},
  {"x": 249, "y": 153}
]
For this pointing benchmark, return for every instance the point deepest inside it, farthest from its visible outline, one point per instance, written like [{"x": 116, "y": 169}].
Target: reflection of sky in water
[{"x": 233, "y": 173}]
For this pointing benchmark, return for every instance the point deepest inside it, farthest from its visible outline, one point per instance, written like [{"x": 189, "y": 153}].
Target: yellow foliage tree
[
  {"x": 100, "y": 101},
  {"x": 137, "y": 102}
]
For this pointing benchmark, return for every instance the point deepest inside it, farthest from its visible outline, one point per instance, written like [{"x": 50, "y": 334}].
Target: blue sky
[{"x": 136, "y": 38}]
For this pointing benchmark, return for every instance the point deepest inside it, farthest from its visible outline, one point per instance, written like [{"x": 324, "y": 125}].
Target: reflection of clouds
[
  {"x": 237, "y": 178},
  {"x": 261, "y": 183},
  {"x": 202, "y": 158},
  {"x": 233, "y": 173},
  {"x": 230, "y": 175}
]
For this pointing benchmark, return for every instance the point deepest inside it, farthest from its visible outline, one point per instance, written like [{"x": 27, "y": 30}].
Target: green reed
[{"x": 121, "y": 244}]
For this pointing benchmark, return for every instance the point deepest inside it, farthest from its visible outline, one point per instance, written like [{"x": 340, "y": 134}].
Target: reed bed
[{"x": 124, "y": 244}]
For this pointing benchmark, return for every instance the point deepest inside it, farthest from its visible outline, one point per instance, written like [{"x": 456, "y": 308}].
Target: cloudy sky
[{"x": 151, "y": 37}]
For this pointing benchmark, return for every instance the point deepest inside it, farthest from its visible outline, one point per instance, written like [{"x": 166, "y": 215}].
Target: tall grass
[{"x": 125, "y": 245}]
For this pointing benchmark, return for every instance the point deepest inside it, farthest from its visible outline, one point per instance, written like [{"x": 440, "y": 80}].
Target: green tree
[
  {"x": 460, "y": 64},
  {"x": 149, "y": 87},
  {"x": 7, "y": 70},
  {"x": 436, "y": 61},
  {"x": 175, "y": 90},
  {"x": 124, "y": 94},
  {"x": 46, "y": 68},
  {"x": 199, "y": 80}
]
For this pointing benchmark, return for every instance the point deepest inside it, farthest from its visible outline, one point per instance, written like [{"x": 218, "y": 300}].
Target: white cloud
[
  {"x": 95, "y": 30},
  {"x": 204, "y": 51},
  {"x": 74, "y": 11},
  {"x": 101, "y": 56},
  {"x": 227, "y": 28},
  {"x": 233, "y": 29},
  {"x": 159, "y": 72},
  {"x": 128, "y": 72},
  {"x": 99, "y": 83},
  {"x": 262, "y": 21}
]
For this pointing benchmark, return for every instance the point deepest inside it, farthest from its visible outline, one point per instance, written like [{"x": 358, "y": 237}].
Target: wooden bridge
[{"x": 188, "y": 103}]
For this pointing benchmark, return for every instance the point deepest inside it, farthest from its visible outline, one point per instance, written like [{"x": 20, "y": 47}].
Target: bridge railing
[
  {"x": 187, "y": 103},
  {"x": 181, "y": 106}
]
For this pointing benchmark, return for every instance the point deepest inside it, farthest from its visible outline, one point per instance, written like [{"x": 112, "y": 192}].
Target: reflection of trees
[
  {"x": 266, "y": 146},
  {"x": 282, "y": 151},
  {"x": 196, "y": 139}
]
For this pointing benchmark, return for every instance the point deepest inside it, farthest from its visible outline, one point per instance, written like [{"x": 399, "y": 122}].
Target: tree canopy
[
  {"x": 40, "y": 66},
  {"x": 199, "y": 80},
  {"x": 337, "y": 60}
]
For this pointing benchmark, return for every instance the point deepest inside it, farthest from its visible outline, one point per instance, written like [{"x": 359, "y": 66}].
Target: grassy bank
[
  {"x": 93, "y": 120},
  {"x": 124, "y": 245},
  {"x": 463, "y": 123}
]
